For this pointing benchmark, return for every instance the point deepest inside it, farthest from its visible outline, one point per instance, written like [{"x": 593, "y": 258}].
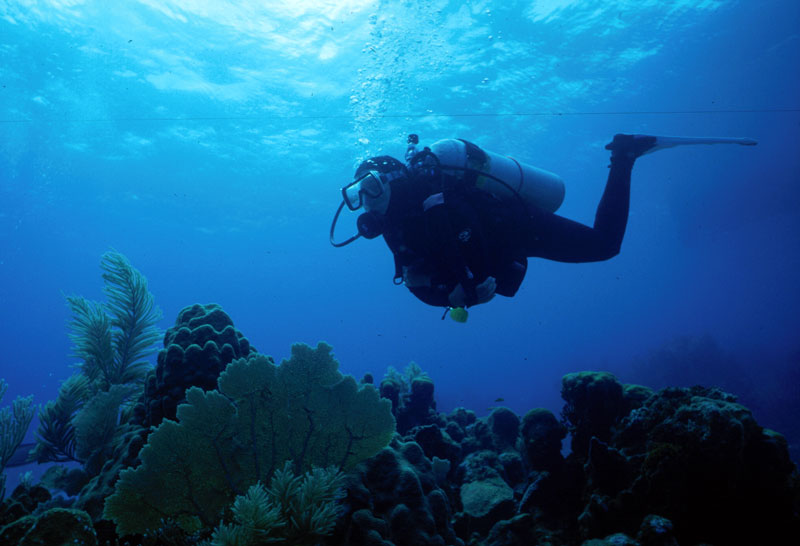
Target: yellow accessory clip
[{"x": 459, "y": 314}]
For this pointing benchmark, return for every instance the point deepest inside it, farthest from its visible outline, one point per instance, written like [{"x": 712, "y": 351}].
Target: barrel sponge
[{"x": 226, "y": 440}]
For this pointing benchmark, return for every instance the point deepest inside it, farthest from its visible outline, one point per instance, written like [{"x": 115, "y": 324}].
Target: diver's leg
[
  {"x": 556, "y": 238},
  {"x": 611, "y": 217}
]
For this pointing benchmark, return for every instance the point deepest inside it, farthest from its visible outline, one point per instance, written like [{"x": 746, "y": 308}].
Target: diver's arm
[
  {"x": 449, "y": 294},
  {"x": 432, "y": 295},
  {"x": 484, "y": 292},
  {"x": 421, "y": 283}
]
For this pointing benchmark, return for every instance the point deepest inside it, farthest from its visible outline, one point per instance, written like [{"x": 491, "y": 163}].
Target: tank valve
[{"x": 411, "y": 151}]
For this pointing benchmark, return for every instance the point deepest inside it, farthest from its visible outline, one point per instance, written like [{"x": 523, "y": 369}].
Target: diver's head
[
  {"x": 372, "y": 184},
  {"x": 372, "y": 190}
]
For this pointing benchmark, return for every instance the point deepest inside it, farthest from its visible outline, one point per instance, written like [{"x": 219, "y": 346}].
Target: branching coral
[
  {"x": 14, "y": 424},
  {"x": 90, "y": 333},
  {"x": 293, "y": 510},
  {"x": 97, "y": 426},
  {"x": 404, "y": 380},
  {"x": 112, "y": 341},
  {"x": 56, "y": 434},
  {"x": 303, "y": 410}
]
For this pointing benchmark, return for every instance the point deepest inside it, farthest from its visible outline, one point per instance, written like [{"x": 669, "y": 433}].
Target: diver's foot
[{"x": 630, "y": 146}]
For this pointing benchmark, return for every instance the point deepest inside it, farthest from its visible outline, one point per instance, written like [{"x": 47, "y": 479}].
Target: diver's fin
[
  {"x": 630, "y": 146},
  {"x": 663, "y": 142}
]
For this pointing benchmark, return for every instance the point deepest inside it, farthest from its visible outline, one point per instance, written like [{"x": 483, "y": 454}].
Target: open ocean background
[{"x": 207, "y": 141}]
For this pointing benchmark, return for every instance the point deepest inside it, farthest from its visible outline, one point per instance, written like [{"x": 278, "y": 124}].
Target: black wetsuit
[{"x": 461, "y": 234}]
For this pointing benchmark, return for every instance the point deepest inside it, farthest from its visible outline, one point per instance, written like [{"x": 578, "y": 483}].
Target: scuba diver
[{"x": 461, "y": 222}]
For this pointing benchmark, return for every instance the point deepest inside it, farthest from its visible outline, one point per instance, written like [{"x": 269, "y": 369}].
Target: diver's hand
[
  {"x": 486, "y": 289},
  {"x": 485, "y": 292}
]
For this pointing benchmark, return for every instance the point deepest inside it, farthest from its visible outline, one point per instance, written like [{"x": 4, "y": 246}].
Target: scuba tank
[{"x": 500, "y": 175}]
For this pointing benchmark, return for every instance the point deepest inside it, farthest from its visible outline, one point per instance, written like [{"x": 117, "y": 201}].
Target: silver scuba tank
[{"x": 535, "y": 186}]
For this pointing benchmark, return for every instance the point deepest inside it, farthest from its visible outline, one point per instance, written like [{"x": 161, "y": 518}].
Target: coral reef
[
  {"x": 112, "y": 341},
  {"x": 217, "y": 421},
  {"x": 293, "y": 510},
  {"x": 646, "y": 468},
  {"x": 56, "y": 433},
  {"x": 542, "y": 434},
  {"x": 303, "y": 410},
  {"x": 411, "y": 394},
  {"x": 676, "y": 466},
  {"x": 53, "y": 527},
  {"x": 698, "y": 458},
  {"x": 14, "y": 423},
  {"x": 196, "y": 350},
  {"x": 22, "y": 502},
  {"x": 594, "y": 402},
  {"x": 31, "y": 517},
  {"x": 90, "y": 421},
  {"x": 393, "y": 498}
]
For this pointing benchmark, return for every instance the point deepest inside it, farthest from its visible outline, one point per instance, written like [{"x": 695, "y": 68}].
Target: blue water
[{"x": 207, "y": 141}]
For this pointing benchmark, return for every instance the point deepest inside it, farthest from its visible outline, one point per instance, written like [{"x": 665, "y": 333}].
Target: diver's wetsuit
[
  {"x": 465, "y": 235},
  {"x": 557, "y": 238}
]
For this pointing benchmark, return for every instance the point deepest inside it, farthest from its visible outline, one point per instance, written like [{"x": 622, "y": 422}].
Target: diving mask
[{"x": 369, "y": 185}]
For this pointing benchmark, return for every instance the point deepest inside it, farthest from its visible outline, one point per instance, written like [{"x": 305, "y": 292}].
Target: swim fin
[
  {"x": 663, "y": 142},
  {"x": 630, "y": 146}
]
